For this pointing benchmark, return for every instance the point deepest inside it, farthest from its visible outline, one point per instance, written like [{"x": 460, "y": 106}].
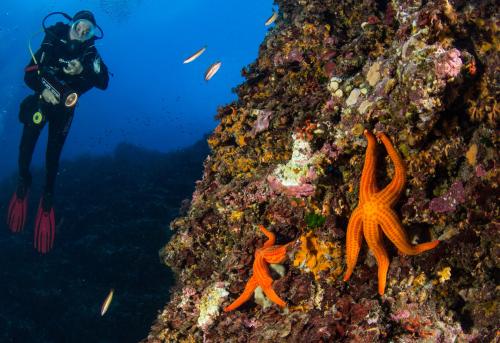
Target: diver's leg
[
  {"x": 58, "y": 131},
  {"x": 45, "y": 223},
  {"x": 27, "y": 146},
  {"x": 18, "y": 206}
]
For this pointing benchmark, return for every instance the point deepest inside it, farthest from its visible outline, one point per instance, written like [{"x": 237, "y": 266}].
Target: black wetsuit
[{"x": 56, "y": 50}]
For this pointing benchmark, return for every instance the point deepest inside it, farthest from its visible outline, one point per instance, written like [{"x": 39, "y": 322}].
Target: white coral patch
[
  {"x": 334, "y": 84},
  {"x": 210, "y": 304},
  {"x": 291, "y": 173}
]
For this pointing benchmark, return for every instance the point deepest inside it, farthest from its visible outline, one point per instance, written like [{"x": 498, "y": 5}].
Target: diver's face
[{"x": 82, "y": 30}]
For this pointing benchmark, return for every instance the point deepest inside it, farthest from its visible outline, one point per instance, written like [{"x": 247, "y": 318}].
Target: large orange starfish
[
  {"x": 374, "y": 213},
  {"x": 269, "y": 253}
]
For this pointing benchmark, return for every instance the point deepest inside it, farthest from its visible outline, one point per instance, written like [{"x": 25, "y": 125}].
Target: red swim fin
[
  {"x": 18, "y": 212},
  {"x": 45, "y": 228}
]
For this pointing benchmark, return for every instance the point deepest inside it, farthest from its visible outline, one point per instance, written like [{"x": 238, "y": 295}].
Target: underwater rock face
[{"x": 426, "y": 74}]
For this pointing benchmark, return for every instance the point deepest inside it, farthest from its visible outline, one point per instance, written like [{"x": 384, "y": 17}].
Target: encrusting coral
[
  {"x": 374, "y": 215},
  {"x": 319, "y": 257}
]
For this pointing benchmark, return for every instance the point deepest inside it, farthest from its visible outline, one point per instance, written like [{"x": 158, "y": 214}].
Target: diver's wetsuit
[{"x": 56, "y": 50}]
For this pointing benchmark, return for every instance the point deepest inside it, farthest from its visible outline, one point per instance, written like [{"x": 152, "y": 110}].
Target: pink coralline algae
[
  {"x": 293, "y": 56},
  {"x": 255, "y": 193},
  {"x": 331, "y": 151},
  {"x": 448, "y": 64},
  {"x": 480, "y": 172},
  {"x": 449, "y": 201},
  {"x": 400, "y": 315},
  {"x": 302, "y": 190},
  {"x": 262, "y": 122}
]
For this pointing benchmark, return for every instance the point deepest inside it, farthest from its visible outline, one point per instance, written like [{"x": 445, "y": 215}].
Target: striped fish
[
  {"x": 272, "y": 18},
  {"x": 107, "y": 302},
  {"x": 195, "y": 55},
  {"x": 212, "y": 70}
]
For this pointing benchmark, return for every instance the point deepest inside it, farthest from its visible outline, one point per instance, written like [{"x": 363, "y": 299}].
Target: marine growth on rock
[{"x": 290, "y": 152}]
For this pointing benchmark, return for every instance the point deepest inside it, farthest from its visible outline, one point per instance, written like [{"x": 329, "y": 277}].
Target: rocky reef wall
[{"x": 289, "y": 154}]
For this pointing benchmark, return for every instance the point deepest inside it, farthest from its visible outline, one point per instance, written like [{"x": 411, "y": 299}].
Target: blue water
[
  {"x": 153, "y": 100},
  {"x": 109, "y": 237}
]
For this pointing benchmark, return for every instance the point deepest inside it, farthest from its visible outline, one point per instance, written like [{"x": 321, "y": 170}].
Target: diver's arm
[
  {"x": 96, "y": 70},
  {"x": 31, "y": 77},
  {"x": 101, "y": 74},
  {"x": 43, "y": 56},
  {"x": 95, "y": 74}
]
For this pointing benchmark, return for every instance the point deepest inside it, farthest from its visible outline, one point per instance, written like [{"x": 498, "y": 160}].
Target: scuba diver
[{"x": 66, "y": 66}]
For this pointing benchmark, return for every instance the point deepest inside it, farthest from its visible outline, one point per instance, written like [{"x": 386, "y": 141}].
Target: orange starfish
[
  {"x": 374, "y": 213},
  {"x": 269, "y": 253}
]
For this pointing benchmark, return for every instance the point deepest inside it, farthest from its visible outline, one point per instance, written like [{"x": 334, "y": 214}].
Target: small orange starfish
[
  {"x": 269, "y": 253},
  {"x": 374, "y": 213}
]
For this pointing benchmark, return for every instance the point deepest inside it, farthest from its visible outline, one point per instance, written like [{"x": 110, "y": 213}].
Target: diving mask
[{"x": 82, "y": 30}]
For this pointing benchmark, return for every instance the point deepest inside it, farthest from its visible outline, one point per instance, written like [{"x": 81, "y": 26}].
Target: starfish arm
[
  {"x": 375, "y": 243},
  {"x": 271, "y": 294},
  {"x": 394, "y": 231},
  {"x": 261, "y": 271},
  {"x": 391, "y": 192},
  {"x": 368, "y": 186},
  {"x": 245, "y": 296},
  {"x": 271, "y": 237},
  {"x": 275, "y": 254},
  {"x": 353, "y": 243}
]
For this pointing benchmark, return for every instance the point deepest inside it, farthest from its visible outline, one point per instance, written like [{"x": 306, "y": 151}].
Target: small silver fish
[
  {"x": 195, "y": 55},
  {"x": 212, "y": 70},
  {"x": 107, "y": 302},
  {"x": 272, "y": 18}
]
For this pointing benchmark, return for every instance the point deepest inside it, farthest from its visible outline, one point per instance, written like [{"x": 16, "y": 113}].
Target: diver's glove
[
  {"x": 74, "y": 67},
  {"x": 49, "y": 97}
]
